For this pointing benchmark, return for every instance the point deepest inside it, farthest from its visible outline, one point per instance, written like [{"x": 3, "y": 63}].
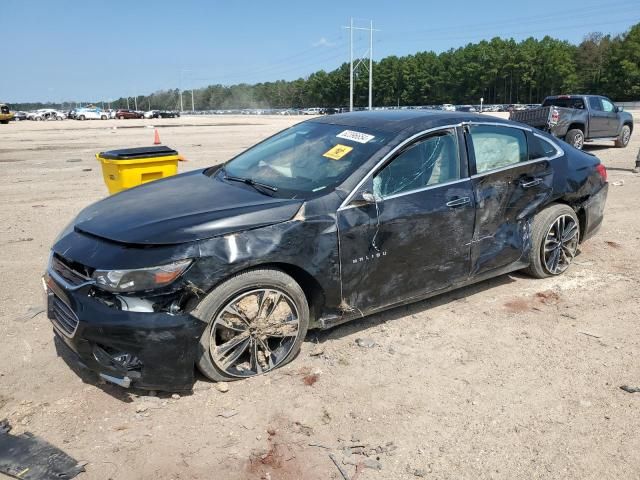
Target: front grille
[
  {"x": 74, "y": 273},
  {"x": 63, "y": 317}
]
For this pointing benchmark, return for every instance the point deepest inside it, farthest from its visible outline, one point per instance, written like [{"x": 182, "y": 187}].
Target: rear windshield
[
  {"x": 573, "y": 102},
  {"x": 307, "y": 159},
  {"x": 4, "y": 109}
]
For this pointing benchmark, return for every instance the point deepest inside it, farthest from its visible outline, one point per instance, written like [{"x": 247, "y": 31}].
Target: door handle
[
  {"x": 458, "y": 202},
  {"x": 531, "y": 183}
]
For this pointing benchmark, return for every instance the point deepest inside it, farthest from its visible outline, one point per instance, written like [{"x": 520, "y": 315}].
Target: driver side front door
[{"x": 415, "y": 238}]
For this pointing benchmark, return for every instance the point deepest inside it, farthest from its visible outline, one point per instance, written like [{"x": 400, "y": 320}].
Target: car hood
[{"x": 185, "y": 208}]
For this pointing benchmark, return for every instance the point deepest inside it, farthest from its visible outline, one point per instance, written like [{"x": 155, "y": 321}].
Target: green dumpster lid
[{"x": 140, "y": 152}]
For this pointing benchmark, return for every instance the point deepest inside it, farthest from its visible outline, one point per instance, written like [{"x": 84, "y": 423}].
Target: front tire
[
  {"x": 555, "y": 234},
  {"x": 257, "y": 321},
  {"x": 625, "y": 135},
  {"x": 575, "y": 138}
]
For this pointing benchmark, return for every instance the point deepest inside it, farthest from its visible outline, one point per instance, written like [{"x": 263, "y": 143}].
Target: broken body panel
[{"x": 351, "y": 258}]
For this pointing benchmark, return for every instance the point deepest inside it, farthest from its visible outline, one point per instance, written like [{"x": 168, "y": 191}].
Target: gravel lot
[{"x": 510, "y": 378}]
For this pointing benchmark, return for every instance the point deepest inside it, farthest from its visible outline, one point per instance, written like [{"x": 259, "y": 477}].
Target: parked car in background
[
  {"x": 91, "y": 114},
  {"x": 580, "y": 118},
  {"x": 46, "y": 114},
  {"x": 123, "y": 114},
  {"x": 19, "y": 116},
  {"x": 5, "y": 114},
  {"x": 466, "y": 108},
  {"x": 447, "y": 107},
  {"x": 333, "y": 219},
  {"x": 312, "y": 111},
  {"x": 161, "y": 114}
]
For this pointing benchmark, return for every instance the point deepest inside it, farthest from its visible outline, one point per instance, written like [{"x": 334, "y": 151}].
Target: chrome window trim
[
  {"x": 422, "y": 189},
  {"x": 559, "y": 152}
]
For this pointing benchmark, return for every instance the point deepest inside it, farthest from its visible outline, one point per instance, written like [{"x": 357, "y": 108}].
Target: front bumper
[{"x": 147, "y": 350}]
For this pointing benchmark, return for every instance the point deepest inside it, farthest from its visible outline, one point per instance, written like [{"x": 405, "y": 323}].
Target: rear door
[
  {"x": 612, "y": 117},
  {"x": 599, "y": 119},
  {"x": 416, "y": 238},
  {"x": 510, "y": 182}
]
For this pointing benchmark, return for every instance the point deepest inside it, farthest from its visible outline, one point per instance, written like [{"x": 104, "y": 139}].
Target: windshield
[{"x": 306, "y": 159}]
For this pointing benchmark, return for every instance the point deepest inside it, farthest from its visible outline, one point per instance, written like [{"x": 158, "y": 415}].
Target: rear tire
[
  {"x": 258, "y": 332},
  {"x": 625, "y": 135},
  {"x": 81, "y": 117},
  {"x": 555, "y": 233},
  {"x": 575, "y": 138}
]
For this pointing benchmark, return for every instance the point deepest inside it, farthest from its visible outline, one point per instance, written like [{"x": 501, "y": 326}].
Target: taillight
[{"x": 600, "y": 168}]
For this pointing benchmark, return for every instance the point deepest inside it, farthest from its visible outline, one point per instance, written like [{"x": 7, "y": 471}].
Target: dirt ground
[{"x": 512, "y": 378}]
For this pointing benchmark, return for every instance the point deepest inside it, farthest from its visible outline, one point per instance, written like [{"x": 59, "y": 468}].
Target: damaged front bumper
[{"x": 147, "y": 350}]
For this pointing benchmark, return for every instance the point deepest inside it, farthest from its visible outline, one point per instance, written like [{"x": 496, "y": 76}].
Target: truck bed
[{"x": 537, "y": 117}]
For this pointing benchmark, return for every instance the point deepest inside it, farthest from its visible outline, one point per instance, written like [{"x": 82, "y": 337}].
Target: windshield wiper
[{"x": 251, "y": 182}]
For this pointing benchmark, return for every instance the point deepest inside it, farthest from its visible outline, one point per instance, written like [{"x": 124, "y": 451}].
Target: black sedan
[{"x": 342, "y": 216}]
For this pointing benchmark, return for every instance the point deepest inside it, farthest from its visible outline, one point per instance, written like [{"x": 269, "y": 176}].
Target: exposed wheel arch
[
  {"x": 576, "y": 126},
  {"x": 312, "y": 289}
]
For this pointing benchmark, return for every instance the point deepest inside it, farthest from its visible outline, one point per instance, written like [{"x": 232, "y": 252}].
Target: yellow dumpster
[{"x": 131, "y": 167}]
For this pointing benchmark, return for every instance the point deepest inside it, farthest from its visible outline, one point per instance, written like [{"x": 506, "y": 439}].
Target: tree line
[{"x": 499, "y": 70}]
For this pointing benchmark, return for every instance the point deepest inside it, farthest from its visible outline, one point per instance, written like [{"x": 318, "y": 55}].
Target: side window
[
  {"x": 540, "y": 148},
  {"x": 427, "y": 162},
  {"x": 594, "y": 103},
  {"x": 607, "y": 106},
  {"x": 497, "y": 147},
  {"x": 577, "y": 103}
]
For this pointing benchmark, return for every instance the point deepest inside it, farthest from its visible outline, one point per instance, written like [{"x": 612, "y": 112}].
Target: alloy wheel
[
  {"x": 626, "y": 135},
  {"x": 578, "y": 141},
  {"x": 254, "y": 332},
  {"x": 560, "y": 244}
]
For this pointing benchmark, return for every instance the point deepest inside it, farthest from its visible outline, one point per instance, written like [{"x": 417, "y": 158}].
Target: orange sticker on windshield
[{"x": 337, "y": 152}]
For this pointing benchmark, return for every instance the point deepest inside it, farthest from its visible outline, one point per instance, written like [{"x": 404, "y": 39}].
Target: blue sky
[{"x": 62, "y": 50}]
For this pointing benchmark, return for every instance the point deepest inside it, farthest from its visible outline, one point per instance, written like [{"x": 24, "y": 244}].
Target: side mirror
[
  {"x": 368, "y": 197},
  {"x": 363, "y": 198},
  {"x": 619, "y": 109}
]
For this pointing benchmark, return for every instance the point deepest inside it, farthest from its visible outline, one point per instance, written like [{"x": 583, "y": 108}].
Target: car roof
[{"x": 395, "y": 121}]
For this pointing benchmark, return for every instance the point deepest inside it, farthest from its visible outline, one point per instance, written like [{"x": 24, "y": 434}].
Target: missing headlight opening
[{"x": 203, "y": 271}]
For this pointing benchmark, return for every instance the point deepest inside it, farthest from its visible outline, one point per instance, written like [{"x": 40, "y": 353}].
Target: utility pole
[
  {"x": 371, "y": 65},
  {"x": 135, "y": 99},
  {"x": 193, "y": 108},
  {"x": 352, "y": 68},
  {"x": 181, "y": 107},
  {"x": 128, "y": 103}
]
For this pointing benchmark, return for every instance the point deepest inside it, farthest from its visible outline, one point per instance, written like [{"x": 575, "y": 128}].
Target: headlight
[{"x": 140, "y": 279}]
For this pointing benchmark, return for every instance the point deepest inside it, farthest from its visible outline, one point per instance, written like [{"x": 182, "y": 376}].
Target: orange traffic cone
[{"x": 156, "y": 140}]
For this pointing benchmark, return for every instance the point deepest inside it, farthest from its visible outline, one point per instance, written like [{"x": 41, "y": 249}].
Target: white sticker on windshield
[{"x": 355, "y": 136}]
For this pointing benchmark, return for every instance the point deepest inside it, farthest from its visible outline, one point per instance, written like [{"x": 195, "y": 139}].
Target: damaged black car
[{"x": 225, "y": 269}]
